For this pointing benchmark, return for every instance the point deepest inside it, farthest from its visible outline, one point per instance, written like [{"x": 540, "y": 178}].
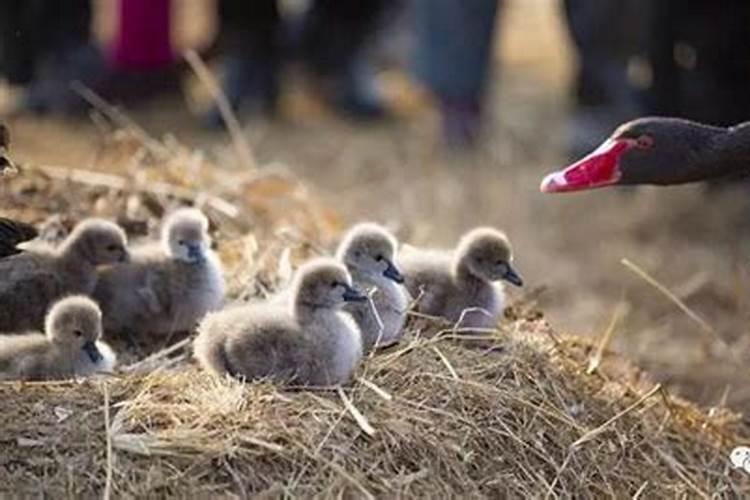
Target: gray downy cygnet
[
  {"x": 369, "y": 251},
  {"x": 462, "y": 285},
  {"x": 309, "y": 341},
  {"x": 69, "y": 347},
  {"x": 33, "y": 279},
  {"x": 166, "y": 287}
]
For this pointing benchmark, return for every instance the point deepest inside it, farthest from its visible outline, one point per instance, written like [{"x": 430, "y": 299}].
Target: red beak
[{"x": 598, "y": 169}]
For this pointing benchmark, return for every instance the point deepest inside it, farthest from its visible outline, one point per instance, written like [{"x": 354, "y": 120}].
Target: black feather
[{"x": 13, "y": 233}]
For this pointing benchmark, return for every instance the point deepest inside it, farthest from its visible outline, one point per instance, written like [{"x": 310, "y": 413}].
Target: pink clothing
[{"x": 143, "y": 38}]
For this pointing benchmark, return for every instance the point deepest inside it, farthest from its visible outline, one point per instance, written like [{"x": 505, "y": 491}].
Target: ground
[{"x": 569, "y": 248}]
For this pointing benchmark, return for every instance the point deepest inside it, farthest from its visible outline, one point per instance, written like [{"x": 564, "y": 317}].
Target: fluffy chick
[
  {"x": 309, "y": 341},
  {"x": 35, "y": 278},
  {"x": 167, "y": 287},
  {"x": 368, "y": 251},
  {"x": 464, "y": 283},
  {"x": 69, "y": 347}
]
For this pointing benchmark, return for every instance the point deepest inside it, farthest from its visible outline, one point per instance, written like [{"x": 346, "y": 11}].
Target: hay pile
[{"x": 515, "y": 413}]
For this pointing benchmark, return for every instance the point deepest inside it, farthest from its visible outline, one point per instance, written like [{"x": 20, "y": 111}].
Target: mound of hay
[
  {"x": 511, "y": 415},
  {"x": 514, "y": 414}
]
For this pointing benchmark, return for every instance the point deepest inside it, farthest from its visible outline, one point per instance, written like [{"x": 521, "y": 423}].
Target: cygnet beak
[
  {"x": 353, "y": 295},
  {"x": 92, "y": 351},
  {"x": 391, "y": 272},
  {"x": 195, "y": 252},
  {"x": 511, "y": 276}
]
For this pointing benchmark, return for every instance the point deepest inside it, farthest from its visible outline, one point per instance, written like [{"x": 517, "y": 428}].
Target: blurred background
[{"x": 434, "y": 116}]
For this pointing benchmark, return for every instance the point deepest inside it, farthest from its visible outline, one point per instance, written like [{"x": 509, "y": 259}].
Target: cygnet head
[
  {"x": 75, "y": 323},
  {"x": 486, "y": 254},
  {"x": 99, "y": 241},
  {"x": 324, "y": 283},
  {"x": 369, "y": 248},
  {"x": 185, "y": 235}
]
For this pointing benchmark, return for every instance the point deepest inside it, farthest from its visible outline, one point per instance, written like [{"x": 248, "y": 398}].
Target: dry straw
[
  {"x": 442, "y": 415},
  {"x": 436, "y": 417}
]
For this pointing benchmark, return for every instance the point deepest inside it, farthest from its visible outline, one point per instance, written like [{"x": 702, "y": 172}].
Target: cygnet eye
[
  {"x": 334, "y": 284},
  {"x": 181, "y": 242},
  {"x": 113, "y": 247},
  {"x": 379, "y": 257},
  {"x": 78, "y": 333}
]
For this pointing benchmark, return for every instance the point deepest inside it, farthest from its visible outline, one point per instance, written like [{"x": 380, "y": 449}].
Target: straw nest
[
  {"x": 511, "y": 414},
  {"x": 522, "y": 411}
]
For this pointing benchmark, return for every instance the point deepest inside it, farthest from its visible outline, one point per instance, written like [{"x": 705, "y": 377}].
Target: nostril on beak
[
  {"x": 92, "y": 351},
  {"x": 195, "y": 252},
  {"x": 511, "y": 276},
  {"x": 391, "y": 272}
]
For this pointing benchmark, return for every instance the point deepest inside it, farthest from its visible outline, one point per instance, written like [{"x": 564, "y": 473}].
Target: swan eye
[
  {"x": 113, "y": 248},
  {"x": 181, "y": 242},
  {"x": 78, "y": 333},
  {"x": 334, "y": 284},
  {"x": 379, "y": 258},
  {"x": 644, "y": 142}
]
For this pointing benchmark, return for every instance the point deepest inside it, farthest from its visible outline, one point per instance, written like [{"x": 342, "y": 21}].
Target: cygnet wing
[
  {"x": 20, "y": 354},
  {"x": 28, "y": 277},
  {"x": 272, "y": 346},
  {"x": 427, "y": 276}
]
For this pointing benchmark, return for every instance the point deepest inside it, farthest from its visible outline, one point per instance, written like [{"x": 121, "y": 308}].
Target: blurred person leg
[
  {"x": 17, "y": 47},
  {"x": 141, "y": 59},
  {"x": 606, "y": 35},
  {"x": 249, "y": 35},
  {"x": 453, "y": 56},
  {"x": 48, "y": 47},
  {"x": 699, "y": 52},
  {"x": 67, "y": 55},
  {"x": 333, "y": 40}
]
